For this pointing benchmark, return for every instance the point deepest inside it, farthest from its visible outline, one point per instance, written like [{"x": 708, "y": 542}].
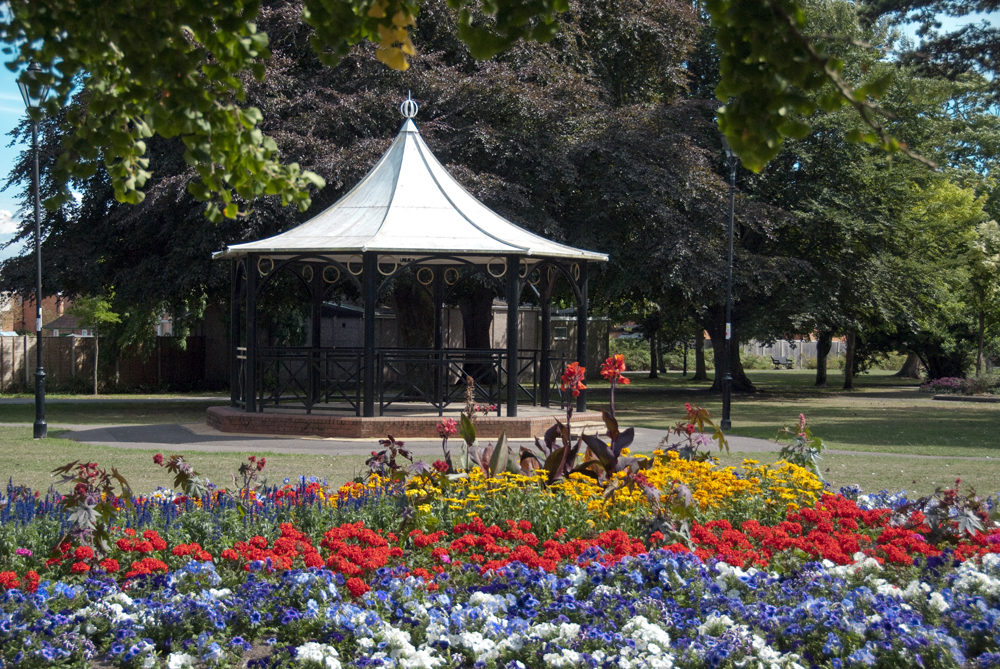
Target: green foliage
[
  {"x": 750, "y": 361},
  {"x": 949, "y": 514},
  {"x": 636, "y": 352},
  {"x": 94, "y": 312},
  {"x": 775, "y": 73},
  {"x": 91, "y": 504},
  {"x": 802, "y": 448},
  {"x": 184, "y": 74}
]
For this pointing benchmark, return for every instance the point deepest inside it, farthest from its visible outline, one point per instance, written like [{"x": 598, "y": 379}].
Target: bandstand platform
[{"x": 403, "y": 421}]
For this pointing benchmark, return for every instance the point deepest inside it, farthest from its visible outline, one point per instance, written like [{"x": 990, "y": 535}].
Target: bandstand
[{"x": 408, "y": 214}]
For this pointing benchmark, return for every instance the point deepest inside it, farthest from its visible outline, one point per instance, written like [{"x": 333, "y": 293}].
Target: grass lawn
[
  {"x": 30, "y": 462},
  {"x": 111, "y": 413},
  {"x": 883, "y": 414}
]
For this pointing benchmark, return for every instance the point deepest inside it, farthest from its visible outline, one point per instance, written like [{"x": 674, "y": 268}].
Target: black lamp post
[
  {"x": 34, "y": 93},
  {"x": 727, "y": 380}
]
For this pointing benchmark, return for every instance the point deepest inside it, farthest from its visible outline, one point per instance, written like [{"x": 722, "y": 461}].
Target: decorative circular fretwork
[
  {"x": 535, "y": 276},
  {"x": 451, "y": 276},
  {"x": 522, "y": 269},
  {"x": 409, "y": 108},
  {"x": 307, "y": 273},
  {"x": 260, "y": 267},
  {"x": 326, "y": 274},
  {"x": 576, "y": 270},
  {"x": 550, "y": 274},
  {"x": 489, "y": 267},
  {"x": 425, "y": 275},
  {"x": 352, "y": 261},
  {"x": 395, "y": 266}
]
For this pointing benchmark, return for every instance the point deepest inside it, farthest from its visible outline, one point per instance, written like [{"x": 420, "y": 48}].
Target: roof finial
[{"x": 409, "y": 108}]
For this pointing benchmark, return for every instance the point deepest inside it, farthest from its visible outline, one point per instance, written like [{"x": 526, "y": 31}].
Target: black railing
[
  {"x": 331, "y": 378},
  {"x": 311, "y": 377}
]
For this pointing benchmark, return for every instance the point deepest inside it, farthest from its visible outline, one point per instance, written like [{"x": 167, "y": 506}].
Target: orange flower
[
  {"x": 613, "y": 368},
  {"x": 572, "y": 378}
]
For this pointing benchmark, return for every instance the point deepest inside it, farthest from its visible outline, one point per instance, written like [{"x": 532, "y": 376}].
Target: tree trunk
[
  {"x": 415, "y": 324},
  {"x": 823, "y": 346},
  {"x": 910, "y": 368},
  {"x": 852, "y": 339},
  {"x": 476, "y": 306},
  {"x": 700, "y": 372},
  {"x": 95, "y": 361},
  {"x": 659, "y": 350},
  {"x": 979, "y": 350},
  {"x": 414, "y": 314},
  {"x": 717, "y": 331},
  {"x": 653, "y": 365}
]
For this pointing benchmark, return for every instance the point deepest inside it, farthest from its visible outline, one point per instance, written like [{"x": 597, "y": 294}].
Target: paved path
[{"x": 200, "y": 437}]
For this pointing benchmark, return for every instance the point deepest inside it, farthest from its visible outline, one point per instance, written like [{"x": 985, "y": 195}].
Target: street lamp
[
  {"x": 34, "y": 93},
  {"x": 727, "y": 380}
]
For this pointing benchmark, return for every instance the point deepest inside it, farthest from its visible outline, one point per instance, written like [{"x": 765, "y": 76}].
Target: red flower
[
  {"x": 357, "y": 587},
  {"x": 33, "y": 579},
  {"x": 441, "y": 466},
  {"x": 261, "y": 463},
  {"x": 110, "y": 565},
  {"x": 80, "y": 568},
  {"x": 83, "y": 553},
  {"x": 158, "y": 459},
  {"x": 8, "y": 579},
  {"x": 572, "y": 378}
]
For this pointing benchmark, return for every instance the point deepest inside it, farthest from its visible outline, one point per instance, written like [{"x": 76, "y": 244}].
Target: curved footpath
[{"x": 200, "y": 437}]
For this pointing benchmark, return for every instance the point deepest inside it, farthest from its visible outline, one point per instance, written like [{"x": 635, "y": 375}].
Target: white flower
[
  {"x": 180, "y": 661},
  {"x": 313, "y": 653},
  {"x": 936, "y": 602}
]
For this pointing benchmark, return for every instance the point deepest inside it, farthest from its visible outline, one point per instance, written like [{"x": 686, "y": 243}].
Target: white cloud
[{"x": 8, "y": 224}]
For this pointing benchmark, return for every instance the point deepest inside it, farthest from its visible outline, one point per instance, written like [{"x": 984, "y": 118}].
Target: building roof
[
  {"x": 408, "y": 204},
  {"x": 64, "y": 322}
]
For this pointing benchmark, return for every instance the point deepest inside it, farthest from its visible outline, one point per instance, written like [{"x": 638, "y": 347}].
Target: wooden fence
[{"x": 69, "y": 364}]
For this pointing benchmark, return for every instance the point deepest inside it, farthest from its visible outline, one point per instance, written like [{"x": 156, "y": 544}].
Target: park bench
[{"x": 781, "y": 361}]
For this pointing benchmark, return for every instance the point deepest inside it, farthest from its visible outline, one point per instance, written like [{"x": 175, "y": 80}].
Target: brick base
[{"x": 229, "y": 419}]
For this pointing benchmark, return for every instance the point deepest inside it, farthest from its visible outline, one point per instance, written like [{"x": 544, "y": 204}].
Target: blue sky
[{"x": 12, "y": 112}]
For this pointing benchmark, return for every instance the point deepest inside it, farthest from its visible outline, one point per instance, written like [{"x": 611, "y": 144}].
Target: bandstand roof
[{"x": 408, "y": 204}]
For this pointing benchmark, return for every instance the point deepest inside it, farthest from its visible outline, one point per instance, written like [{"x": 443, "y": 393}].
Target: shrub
[
  {"x": 751, "y": 361},
  {"x": 636, "y": 352}
]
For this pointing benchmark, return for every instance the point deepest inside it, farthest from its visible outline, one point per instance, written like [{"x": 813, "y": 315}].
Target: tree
[
  {"x": 983, "y": 286},
  {"x": 507, "y": 129},
  {"x": 183, "y": 74},
  {"x": 94, "y": 312}
]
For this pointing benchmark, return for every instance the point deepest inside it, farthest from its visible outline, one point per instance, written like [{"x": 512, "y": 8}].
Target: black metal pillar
[
  {"x": 369, "y": 270},
  {"x": 581, "y": 330},
  {"x": 234, "y": 334},
  {"x": 250, "y": 374},
  {"x": 41, "y": 428},
  {"x": 440, "y": 369},
  {"x": 545, "y": 375},
  {"x": 727, "y": 380},
  {"x": 316, "y": 287},
  {"x": 513, "y": 297}
]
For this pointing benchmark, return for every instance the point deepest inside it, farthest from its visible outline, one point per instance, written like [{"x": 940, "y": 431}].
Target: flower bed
[
  {"x": 615, "y": 561},
  {"x": 834, "y": 584}
]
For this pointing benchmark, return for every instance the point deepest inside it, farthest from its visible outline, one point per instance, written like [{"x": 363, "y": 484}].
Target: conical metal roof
[{"x": 408, "y": 204}]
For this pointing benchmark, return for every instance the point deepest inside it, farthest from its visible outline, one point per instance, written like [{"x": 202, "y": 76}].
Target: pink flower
[
  {"x": 447, "y": 428},
  {"x": 24, "y": 552}
]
